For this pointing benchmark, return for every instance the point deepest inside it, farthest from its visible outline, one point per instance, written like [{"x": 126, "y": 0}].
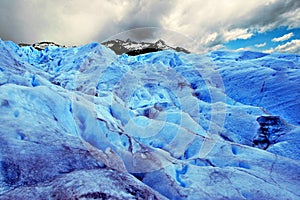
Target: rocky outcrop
[{"x": 271, "y": 128}]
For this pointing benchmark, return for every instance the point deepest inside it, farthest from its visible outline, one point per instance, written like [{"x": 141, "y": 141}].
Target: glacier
[{"x": 86, "y": 123}]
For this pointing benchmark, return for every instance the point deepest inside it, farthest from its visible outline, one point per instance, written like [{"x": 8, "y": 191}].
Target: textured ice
[{"x": 188, "y": 126}]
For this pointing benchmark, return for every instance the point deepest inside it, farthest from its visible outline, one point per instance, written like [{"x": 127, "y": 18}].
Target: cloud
[
  {"x": 230, "y": 20},
  {"x": 244, "y": 49},
  {"x": 283, "y": 38},
  {"x": 269, "y": 50},
  {"x": 289, "y": 47},
  {"x": 237, "y": 34},
  {"x": 260, "y": 45},
  {"x": 66, "y": 22},
  {"x": 77, "y": 21},
  {"x": 292, "y": 47},
  {"x": 210, "y": 24},
  {"x": 272, "y": 14}
]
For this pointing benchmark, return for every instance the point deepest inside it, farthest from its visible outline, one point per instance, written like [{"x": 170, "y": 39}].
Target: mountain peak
[
  {"x": 128, "y": 46},
  {"x": 41, "y": 45},
  {"x": 133, "y": 48},
  {"x": 160, "y": 42}
]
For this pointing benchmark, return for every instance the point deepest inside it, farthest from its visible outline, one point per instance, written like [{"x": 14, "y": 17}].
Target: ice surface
[{"x": 187, "y": 125}]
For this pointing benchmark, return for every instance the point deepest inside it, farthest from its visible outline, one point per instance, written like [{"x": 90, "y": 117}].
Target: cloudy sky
[{"x": 203, "y": 25}]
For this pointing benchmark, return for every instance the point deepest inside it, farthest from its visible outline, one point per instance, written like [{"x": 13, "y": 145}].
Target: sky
[{"x": 199, "y": 25}]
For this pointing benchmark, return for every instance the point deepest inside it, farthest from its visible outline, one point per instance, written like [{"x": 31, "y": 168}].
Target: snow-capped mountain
[
  {"x": 135, "y": 48},
  {"x": 41, "y": 45},
  {"x": 87, "y": 123},
  {"x": 119, "y": 46}
]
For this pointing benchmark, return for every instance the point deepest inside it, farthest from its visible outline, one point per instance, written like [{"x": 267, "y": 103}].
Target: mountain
[
  {"x": 41, "y": 45},
  {"x": 129, "y": 47},
  {"x": 86, "y": 123},
  {"x": 133, "y": 48}
]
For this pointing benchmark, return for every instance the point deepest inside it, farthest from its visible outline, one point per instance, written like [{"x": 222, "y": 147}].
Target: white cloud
[
  {"x": 237, "y": 34},
  {"x": 292, "y": 46},
  {"x": 271, "y": 50},
  {"x": 260, "y": 45},
  {"x": 289, "y": 47},
  {"x": 244, "y": 49},
  {"x": 210, "y": 38},
  {"x": 283, "y": 38}
]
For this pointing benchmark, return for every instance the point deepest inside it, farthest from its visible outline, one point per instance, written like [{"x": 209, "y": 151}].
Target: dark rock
[
  {"x": 271, "y": 128},
  {"x": 142, "y": 51}
]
